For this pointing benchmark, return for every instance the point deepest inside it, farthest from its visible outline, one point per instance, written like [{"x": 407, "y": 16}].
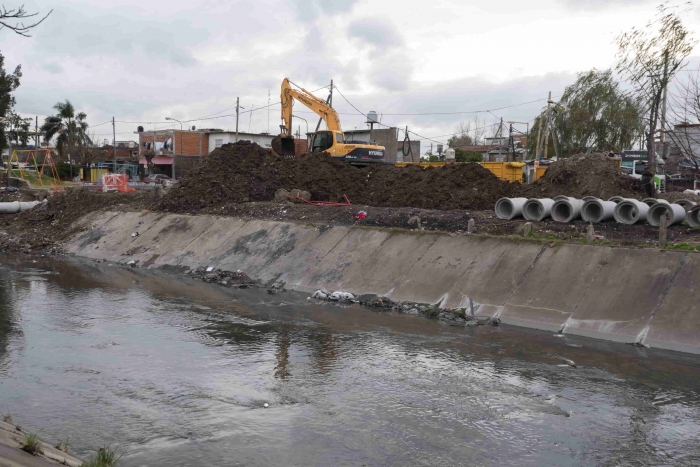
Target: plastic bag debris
[
  {"x": 342, "y": 297},
  {"x": 361, "y": 215},
  {"x": 210, "y": 268},
  {"x": 135, "y": 234},
  {"x": 320, "y": 294}
]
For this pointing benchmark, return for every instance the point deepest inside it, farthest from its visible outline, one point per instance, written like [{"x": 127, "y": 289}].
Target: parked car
[{"x": 158, "y": 179}]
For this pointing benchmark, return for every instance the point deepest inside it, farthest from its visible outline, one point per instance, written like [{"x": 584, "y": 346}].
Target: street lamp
[{"x": 154, "y": 142}]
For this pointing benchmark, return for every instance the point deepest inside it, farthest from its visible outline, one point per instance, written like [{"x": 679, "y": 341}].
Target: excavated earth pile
[
  {"x": 243, "y": 172},
  {"x": 584, "y": 175}
]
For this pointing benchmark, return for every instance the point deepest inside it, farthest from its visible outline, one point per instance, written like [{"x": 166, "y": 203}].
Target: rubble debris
[{"x": 237, "y": 279}]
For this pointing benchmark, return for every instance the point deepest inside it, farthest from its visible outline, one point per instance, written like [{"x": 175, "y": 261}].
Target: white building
[{"x": 218, "y": 138}]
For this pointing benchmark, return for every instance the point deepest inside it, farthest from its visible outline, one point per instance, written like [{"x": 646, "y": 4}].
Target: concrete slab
[
  {"x": 493, "y": 275},
  {"x": 345, "y": 259},
  {"x": 385, "y": 268},
  {"x": 623, "y": 295},
  {"x": 200, "y": 251},
  {"x": 674, "y": 325},
  {"x": 438, "y": 270},
  {"x": 548, "y": 295}
]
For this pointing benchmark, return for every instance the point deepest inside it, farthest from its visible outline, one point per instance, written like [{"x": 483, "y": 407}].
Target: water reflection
[{"x": 179, "y": 372}]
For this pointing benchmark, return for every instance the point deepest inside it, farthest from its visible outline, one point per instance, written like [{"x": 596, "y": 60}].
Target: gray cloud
[
  {"x": 375, "y": 31},
  {"x": 310, "y": 10}
]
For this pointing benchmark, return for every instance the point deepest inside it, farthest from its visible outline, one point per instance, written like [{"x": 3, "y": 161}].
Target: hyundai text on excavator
[{"x": 331, "y": 141}]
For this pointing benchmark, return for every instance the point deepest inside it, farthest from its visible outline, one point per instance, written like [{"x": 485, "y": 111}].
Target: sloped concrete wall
[{"x": 626, "y": 295}]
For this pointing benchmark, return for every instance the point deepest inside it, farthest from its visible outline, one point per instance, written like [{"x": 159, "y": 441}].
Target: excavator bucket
[{"x": 284, "y": 146}]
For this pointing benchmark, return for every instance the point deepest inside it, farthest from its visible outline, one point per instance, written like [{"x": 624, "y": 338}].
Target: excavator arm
[{"x": 284, "y": 143}]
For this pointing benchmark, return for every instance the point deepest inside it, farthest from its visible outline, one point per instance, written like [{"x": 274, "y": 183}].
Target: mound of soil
[
  {"x": 48, "y": 224},
  {"x": 242, "y": 172},
  {"x": 584, "y": 175}
]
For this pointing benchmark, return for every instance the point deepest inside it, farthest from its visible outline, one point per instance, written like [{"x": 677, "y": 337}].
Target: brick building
[{"x": 178, "y": 148}]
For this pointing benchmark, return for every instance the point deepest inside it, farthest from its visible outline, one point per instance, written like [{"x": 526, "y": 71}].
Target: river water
[{"x": 176, "y": 373}]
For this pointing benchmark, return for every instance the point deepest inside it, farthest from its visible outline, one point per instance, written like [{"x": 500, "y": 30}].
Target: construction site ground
[{"x": 244, "y": 180}]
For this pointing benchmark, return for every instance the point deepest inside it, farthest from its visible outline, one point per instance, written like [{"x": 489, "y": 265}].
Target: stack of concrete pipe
[
  {"x": 16, "y": 206},
  {"x": 591, "y": 209}
]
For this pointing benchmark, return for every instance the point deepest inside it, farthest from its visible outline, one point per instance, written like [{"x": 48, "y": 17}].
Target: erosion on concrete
[
  {"x": 627, "y": 295},
  {"x": 12, "y": 442}
]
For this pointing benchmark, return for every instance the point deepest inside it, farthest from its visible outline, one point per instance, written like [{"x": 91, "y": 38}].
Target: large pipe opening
[
  {"x": 592, "y": 212},
  {"x": 561, "y": 212},
  {"x": 534, "y": 210},
  {"x": 627, "y": 213},
  {"x": 504, "y": 209}
]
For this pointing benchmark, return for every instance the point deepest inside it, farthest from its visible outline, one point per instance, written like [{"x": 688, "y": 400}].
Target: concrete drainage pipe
[
  {"x": 597, "y": 210},
  {"x": 567, "y": 210},
  {"x": 686, "y": 203},
  {"x": 559, "y": 198},
  {"x": 616, "y": 199},
  {"x": 536, "y": 210},
  {"x": 510, "y": 208},
  {"x": 16, "y": 206},
  {"x": 653, "y": 201},
  {"x": 588, "y": 198},
  {"x": 676, "y": 213},
  {"x": 630, "y": 211},
  {"x": 693, "y": 217}
]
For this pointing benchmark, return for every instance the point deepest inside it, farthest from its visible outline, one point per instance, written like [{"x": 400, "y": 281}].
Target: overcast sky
[{"x": 144, "y": 60}]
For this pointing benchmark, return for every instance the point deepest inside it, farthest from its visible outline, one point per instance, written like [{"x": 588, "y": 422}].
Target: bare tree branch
[{"x": 12, "y": 20}]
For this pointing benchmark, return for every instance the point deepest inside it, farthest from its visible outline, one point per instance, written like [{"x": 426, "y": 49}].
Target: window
[
  {"x": 322, "y": 141},
  {"x": 339, "y": 138},
  {"x": 218, "y": 143}
]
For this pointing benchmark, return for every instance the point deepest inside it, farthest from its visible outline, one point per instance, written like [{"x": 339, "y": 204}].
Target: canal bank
[{"x": 639, "y": 296}]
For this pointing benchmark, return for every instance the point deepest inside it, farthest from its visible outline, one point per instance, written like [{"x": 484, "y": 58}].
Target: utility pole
[
  {"x": 114, "y": 144},
  {"x": 237, "y": 112},
  {"x": 329, "y": 101},
  {"x": 36, "y": 133},
  {"x": 512, "y": 144}
]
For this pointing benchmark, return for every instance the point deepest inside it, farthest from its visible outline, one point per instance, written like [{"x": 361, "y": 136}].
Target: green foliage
[
  {"x": 69, "y": 128},
  {"x": 595, "y": 114},
  {"x": 106, "y": 457},
  {"x": 432, "y": 312},
  {"x": 462, "y": 155},
  {"x": 63, "y": 169},
  {"x": 12, "y": 127},
  {"x": 32, "y": 445}
]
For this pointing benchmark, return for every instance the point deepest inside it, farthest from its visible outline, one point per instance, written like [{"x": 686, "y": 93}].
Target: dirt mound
[
  {"x": 584, "y": 175},
  {"x": 45, "y": 226},
  {"x": 677, "y": 195},
  {"x": 241, "y": 172}
]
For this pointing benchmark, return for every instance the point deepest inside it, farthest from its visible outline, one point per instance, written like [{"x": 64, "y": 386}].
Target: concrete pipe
[
  {"x": 616, "y": 199},
  {"x": 567, "y": 210},
  {"x": 536, "y": 210},
  {"x": 559, "y": 198},
  {"x": 510, "y": 208},
  {"x": 686, "y": 203},
  {"x": 675, "y": 212},
  {"x": 588, "y": 198},
  {"x": 693, "y": 217},
  {"x": 597, "y": 210},
  {"x": 630, "y": 211},
  {"x": 16, "y": 206},
  {"x": 652, "y": 201}
]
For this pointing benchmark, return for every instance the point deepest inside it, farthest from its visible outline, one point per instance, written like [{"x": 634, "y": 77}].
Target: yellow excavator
[{"x": 331, "y": 141}]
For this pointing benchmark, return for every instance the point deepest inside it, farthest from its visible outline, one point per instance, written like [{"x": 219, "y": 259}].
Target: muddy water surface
[{"x": 177, "y": 373}]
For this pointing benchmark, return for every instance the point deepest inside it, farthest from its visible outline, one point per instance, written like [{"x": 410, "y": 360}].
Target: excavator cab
[{"x": 323, "y": 141}]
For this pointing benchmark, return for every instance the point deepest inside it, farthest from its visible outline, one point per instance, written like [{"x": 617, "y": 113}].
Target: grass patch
[
  {"x": 432, "y": 312},
  {"x": 460, "y": 313},
  {"x": 63, "y": 445},
  {"x": 7, "y": 418},
  {"x": 683, "y": 246},
  {"x": 32, "y": 445},
  {"x": 105, "y": 457}
]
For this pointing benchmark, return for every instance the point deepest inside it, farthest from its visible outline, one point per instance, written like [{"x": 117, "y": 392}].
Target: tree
[
  {"x": 12, "y": 126},
  {"x": 593, "y": 115},
  {"x": 462, "y": 155},
  {"x": 462, "y": 136},
  {"x": 650, "y": 57},
  {"x": 685, "y": 115},
  {"x": 12, "y": 20},
  {"x": 70, "y": 130}
]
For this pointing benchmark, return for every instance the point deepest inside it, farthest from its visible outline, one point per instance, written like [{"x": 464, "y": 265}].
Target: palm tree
[{"x": 69, "y": 128}]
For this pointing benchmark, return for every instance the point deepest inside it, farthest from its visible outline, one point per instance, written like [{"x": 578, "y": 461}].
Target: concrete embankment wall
[{"x": 626, "y": 295}]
